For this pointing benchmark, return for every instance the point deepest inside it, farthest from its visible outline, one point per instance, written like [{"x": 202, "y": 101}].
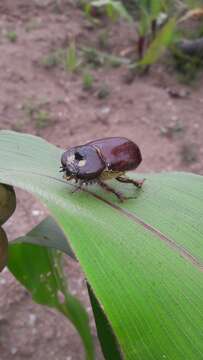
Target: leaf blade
[
  {"x": 47, "y": 233},
  {"x": 159, "y": 44},
  {"x": 45, "y": 280},
  {"x": 151, "y": 294},
  {"x": 105, "y": 333}
]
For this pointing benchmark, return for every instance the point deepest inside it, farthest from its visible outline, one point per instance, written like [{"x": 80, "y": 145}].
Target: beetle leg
[
  {"x": 79, "y": 185},
  {"x": 77, "y": 188},
  {"x": 119, "y": 195},
  {"x": 125, "y": 179}
]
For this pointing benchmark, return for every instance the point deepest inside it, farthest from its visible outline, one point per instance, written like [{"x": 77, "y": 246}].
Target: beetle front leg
[
  {"x": 125, "y": 179},
  {"x": 108, "y": 188},
  {"x": 77, "y": 188}
]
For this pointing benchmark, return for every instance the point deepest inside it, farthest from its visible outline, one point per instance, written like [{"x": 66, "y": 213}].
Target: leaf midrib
[{"x": 167, "y": 240}]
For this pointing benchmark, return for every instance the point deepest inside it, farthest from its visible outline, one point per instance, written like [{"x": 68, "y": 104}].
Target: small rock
[
  {"x": 105, "y": 110},
  {"x": 37, "y": 212},
  {"x": 49, "y": 333},
  {"x": 34, "y": 331},
  {"x": 2, "y": 281},
  {"x": 178, "y": 94},
  {"x": 196, "y": 126},
  {"x": 189, "y": 153},
  {"x": 14, "y": 350},
  {"x": 162, "y": 18},
  {"x": 32, "y": 319},
  {"x": 175, "y": 128}
]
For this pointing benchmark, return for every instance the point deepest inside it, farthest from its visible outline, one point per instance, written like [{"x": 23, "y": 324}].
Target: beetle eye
[{"x": 78, "y": 156}]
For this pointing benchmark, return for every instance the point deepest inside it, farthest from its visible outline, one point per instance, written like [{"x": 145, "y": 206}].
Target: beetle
[{"x": 101, "y": 160}]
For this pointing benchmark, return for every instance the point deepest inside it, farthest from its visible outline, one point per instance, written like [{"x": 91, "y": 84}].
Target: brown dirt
[{"x": 169, "y": 131}]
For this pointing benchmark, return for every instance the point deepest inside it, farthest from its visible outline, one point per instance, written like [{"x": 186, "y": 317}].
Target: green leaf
[
  {"x": 143, "y": 258},
  {"x": 105, "y": 333},
  {"x": 153, "y": 7},
  {"x": 144, "y": 22},
  {"x": 163, "y": 39},
  {"x": 3, "y": 249},
  {"x": 100, "y": 57},
  {"x": 156, "y": 6},
  {"x": 71, "y": 58},
  {"x": 39, "y": 270},
  {"x": 115, "y": 5},
  {"x": 48, "y": 234}
]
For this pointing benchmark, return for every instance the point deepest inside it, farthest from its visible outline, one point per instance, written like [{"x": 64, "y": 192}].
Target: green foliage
[
  {"x": 100, "y": 58},
  {"x": 193, "y": 3},
  {"x": 114, "y": 8},
  {"x": 45, "y": 280},
  {"x": 106, "y": 336},
  {"x": 30, "y": 107},
  {"x": 48, "y": 234},
  {"x": 142, "y": 258},
  {"x": 153, "y": 7},
  {"x": 87, "y": 81},
  {"x": 156, "y": 21},
  {"x": 132, "y": 7},
  {"x": 71, "y": 60},
  {"x": 33, "y": 24},
  {"x": 162, "y": 41},
  {"x": 11, "y": 36},
  {"x": 93, "y": 57},
  {"x": 187, "y": 67},
  {"x": 34, "y": 110},
  {"x": 144, "y": 23},
  {"x": 189, "y": 153},
  {"x": 42, "y": 118},
  {"x": 53, "y": 59},
  {"x": 103, "y": 39},
  {"x": 103, "y": 91}
]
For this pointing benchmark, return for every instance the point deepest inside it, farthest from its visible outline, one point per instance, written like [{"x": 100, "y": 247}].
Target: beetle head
[{"x": 82, "y": 162}]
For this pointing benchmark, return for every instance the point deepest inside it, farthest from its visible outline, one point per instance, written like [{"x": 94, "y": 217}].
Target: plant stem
[{"x": 141, "y": 46}]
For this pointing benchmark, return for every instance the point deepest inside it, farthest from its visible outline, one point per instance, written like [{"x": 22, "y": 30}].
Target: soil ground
[{"x": 39, "y": 96}]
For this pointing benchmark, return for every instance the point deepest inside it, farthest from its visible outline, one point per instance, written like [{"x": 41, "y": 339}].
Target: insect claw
[
  {"x": 67, "y": 177},
  {"x": 140, "y": 182}
]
